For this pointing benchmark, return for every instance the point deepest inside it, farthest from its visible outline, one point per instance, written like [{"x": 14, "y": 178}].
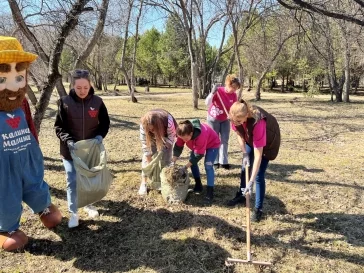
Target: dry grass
[{"x": 314, "y": 203}]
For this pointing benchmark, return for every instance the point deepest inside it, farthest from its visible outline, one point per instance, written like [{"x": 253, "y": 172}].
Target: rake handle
[{"x": 247, "y": 198}]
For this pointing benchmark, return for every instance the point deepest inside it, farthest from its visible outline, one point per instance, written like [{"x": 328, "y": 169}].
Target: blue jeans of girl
[
  {"x": 260, "y": 179},
  {"x": 71, "y": 185},
  {"x": 209, "y": 166}
]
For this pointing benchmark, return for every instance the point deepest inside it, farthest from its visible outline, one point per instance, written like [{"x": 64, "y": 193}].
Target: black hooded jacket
[{"x": 79, "y": 119}]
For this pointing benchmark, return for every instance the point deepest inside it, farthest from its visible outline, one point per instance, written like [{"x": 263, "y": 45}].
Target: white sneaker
[
  {"x": 143, "y": 189},
  {"x": 73, "y": 222},
  {"x": 91, "y": 210}
]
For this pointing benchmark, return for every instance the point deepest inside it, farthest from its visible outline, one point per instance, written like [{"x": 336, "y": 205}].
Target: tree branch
[
  {"x": 96, "y": 35},
  {"x": 307, "y": 6},
  {"x": 19, "y": 20}
]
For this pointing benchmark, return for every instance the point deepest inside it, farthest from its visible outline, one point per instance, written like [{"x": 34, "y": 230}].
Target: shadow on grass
[
  {"x": 120, "y": 123},
  {"x": 136, "y": 238},
  {"x": 53, "y": 164},
  {"x": 349, "y": 227},
  {"x": 281, "y": 173}
]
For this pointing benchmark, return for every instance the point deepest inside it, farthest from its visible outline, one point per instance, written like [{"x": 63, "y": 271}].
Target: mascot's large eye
[
  {"x": 2, "y": 80},
  {"x": 19, "y": 78}
]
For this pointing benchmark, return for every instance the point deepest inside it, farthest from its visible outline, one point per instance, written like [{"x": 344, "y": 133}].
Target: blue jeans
[
  {"x": 222, "y": 128},
  {"x": 209, "y": 166},
  {"x": 71, "y": 185},
  {"x": 260, "y": 179}
]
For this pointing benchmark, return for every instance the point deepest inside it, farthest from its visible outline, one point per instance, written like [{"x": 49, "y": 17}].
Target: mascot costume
[{"x": 21, "y": 160}]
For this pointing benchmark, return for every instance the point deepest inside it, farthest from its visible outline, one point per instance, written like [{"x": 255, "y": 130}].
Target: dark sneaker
[
  {"x": 198, "y": 187},
  {"x": 209, "y": 195},
  {"x": 238, "y": 199},
  {"x": 225, "y": 166},
  {"x": 257, "y": 215},
  {"x": 217, "y": 165}
]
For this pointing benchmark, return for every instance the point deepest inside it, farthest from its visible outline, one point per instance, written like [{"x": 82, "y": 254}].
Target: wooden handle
[{"x": 247, "y": 198}]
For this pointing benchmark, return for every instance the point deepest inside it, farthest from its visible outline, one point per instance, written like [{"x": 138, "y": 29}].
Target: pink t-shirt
[
  {"x": 216, "y": 110},
  {"x": 206, "y": 140},
  {"x": 259, "y": 133}
]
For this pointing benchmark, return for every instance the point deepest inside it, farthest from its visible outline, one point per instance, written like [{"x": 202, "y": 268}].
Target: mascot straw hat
[{"x": 11, "y": 51}]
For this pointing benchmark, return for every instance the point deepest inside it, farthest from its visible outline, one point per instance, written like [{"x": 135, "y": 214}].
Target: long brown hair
[{"x": 156, "y": 118}]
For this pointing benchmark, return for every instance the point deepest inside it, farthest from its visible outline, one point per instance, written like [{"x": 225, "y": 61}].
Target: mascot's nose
[{"x": 12, "y": 86}]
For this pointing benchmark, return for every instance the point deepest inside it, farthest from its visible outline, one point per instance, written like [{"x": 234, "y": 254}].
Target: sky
[
  {"x": 157, "y": 20},
  {"x": 152, "y": 19}
]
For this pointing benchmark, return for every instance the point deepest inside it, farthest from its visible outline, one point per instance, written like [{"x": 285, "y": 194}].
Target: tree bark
[
  {"x": 188, "y": 26},
  {"x": 123, "y": 54},
  {"x": 136, "y": 38},
  {"x": 31, "y": 95},
  {"x": 60, "y": 88}
]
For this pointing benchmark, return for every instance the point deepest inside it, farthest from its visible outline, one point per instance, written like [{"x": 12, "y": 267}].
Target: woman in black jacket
[{"x": 81, "y": 115}]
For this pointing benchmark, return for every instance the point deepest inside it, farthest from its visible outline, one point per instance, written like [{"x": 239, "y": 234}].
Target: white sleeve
[
  {"x": 208, "y": 99},
  {"x": 145, "y": 149}
]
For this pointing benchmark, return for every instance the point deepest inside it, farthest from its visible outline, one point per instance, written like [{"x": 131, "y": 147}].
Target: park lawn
[{"x": 314, "y": 202}]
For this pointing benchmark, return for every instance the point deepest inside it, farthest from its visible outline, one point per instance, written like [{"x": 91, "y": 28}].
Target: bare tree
[
  {"x": 80, "y": 61},
  {"x": 207, "y": 15},
  {"x": 183, "y": 11},
  {"x": 52, "y": 60},
  {"x": 243, "y": 15},
  {"x": 123, "y": 67}
]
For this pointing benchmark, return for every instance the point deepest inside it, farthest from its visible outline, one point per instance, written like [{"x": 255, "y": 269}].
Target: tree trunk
[
  {"x": 43, "y": 102},
  {"x": 123, "y": 54},
  {"x": 347, "y": 68},
  {"x": 194, "y": 84},
  {"x": 31, "y": 95},
  {"x": 60, "y": 88},
  {"x": 259, "y": 86}
]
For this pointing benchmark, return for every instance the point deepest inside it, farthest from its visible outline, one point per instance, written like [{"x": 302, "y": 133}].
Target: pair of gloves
[
  {"x": 249, "y": 187},
  {"x": 72, "y": 147}
]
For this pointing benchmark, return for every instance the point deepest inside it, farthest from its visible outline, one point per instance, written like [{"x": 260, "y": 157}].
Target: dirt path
[{"x": 141, "y": 95}]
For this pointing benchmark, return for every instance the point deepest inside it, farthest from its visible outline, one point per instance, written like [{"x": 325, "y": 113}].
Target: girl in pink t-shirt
[
  {"x": 259, "y": 139},
  {"x": 203, "y": 142},
  {"x": 219, "y": 102}
]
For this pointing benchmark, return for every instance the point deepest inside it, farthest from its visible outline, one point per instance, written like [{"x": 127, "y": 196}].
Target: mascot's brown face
[{"x": 12, "y": 85}]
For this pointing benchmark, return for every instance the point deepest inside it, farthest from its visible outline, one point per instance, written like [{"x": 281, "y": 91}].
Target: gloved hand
[
  {"x": 99, "y": 139},
  {"x": 71, "y": 145},
  {"x": 246, "y": 160},
  {"x": 214, "y": 88},
  {"x": 248, "y": 188}
]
